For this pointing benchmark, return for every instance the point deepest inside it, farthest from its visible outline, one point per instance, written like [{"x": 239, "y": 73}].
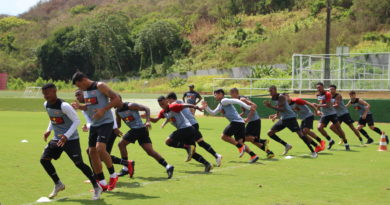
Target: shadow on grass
[
  {"x": 129, "y": 195},
  {"x": 197, "y": 172},
  {"x": 244, "y": 162},
  {"x": 153, "y": 179},
  {"x": 128, "y": 184},
  {"x": 82, "y": 201}
]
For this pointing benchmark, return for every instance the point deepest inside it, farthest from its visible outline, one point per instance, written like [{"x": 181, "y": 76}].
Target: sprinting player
[
  {"x": 300, "y": 106},
  {"x": 99, "y": 99},
  {"x": 287, "y": 119},
  {"x": 365, "y": 116},
  {"x": 184, "y": 136},
  {"x": 64, "y": 122},
  {"x": 129, "y": 113},
  {"x": 236, "y": 127},
  {"x": 192, "y": 97},
  {"x": 343, "y": 113},
  {"x": 129, "y": 164},
  {"x": 328, "y": 114},
  {"x": 252, "y": 130},
  {"x": 172, "y": 99}
]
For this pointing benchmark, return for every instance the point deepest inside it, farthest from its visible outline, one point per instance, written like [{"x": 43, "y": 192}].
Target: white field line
[{"x": 145, "y": 183}]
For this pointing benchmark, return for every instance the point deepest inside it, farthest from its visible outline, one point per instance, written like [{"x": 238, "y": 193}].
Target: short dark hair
[
  {"x": 272, "y": 87},
  {"x": 161, "y": 98},
  {"x": 333, "y": 86},
  {"x": 172, "y": 95},
  {"x": 48, "y": 86},
  {"x": 319, "y": 83},
  {"x": 352, "y": 92},
  {"x": 219, "y": 91},
  {"x": 78, "y": 76},
  {"x": 234, "y": 90}
]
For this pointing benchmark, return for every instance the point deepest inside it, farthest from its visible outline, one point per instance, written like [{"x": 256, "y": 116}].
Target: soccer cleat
[
  {"x": 265, "y": 144},
  {"x": 208, "y": 167},
  {"x": 318, "y": 149},
  {"x": 241, "y": 150},
  {"x": 341, "y": 142},
  {"x": 323, "y": 145},
  {"x": 286, "y": 149},
  {"x": 170, "y": 171},
  {"x": 331, "y": 143},
  {"x": 123, "y": 172},
  {"x": 369, "y": 141},
  {"x": 97, "y": 191},
  {"x": 57, "y": 188},
  {"x": 253, "y": 159},
  {"x": 104, "y": 187},
  {"x": 347, "y": 147},
  {"x": 190, "y": 151},
  {"x": 131, "y": 168},
  {"x": 270, "y": 155},
  {"x": 112, "y": 184},
  {"x": 314, "y": 155},
  {"x": 361, "y": 142},
  {"x": 218, "y": 160}
]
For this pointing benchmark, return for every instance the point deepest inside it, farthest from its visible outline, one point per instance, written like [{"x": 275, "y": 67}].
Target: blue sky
[{"x": 16, "y": 7}]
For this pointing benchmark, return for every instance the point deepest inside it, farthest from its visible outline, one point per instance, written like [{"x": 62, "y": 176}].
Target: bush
[
  {"x": 81, "y": 9},
  {"x": 177, "y": 82}
]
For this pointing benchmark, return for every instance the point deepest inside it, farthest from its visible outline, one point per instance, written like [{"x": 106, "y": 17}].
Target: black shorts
[
  {"x": 140, "y": 134},
  {"x": 185, "y": 135},
  {"x": 307, "y": 123},
  {"x": 253, "y": 128},
  {"x": 100, "y": 133},
  {"x": 198, "y": 134},
  {"x": 369, "y": 120},
  {"x": 345, "y": 118},
  {"x": 196, "y": 126},
  {"x": 329, "y": 118},
  {"x": 110, "y": 142},
  {"x": 291, "y": 123},
  {"x": 72, "y": 149},
  {"x": 237, "y": 129}
]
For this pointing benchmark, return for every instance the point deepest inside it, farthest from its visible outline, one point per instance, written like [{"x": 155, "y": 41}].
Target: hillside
[{"x": 150, "y": 38}]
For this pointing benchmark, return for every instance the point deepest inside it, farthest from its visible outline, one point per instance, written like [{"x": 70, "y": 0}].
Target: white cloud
[{"x": 16, "y": 7}]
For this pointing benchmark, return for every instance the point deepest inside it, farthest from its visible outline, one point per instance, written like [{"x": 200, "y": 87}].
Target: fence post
[
  {"x": 339, "y": 80},
  {"x": 293, "y": 72},
  {"x": 300, "y": 74},
  {"x": 250, "y": 90}
]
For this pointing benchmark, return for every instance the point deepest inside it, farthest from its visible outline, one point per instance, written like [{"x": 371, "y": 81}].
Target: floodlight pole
[{"x": 327, "y": 45}]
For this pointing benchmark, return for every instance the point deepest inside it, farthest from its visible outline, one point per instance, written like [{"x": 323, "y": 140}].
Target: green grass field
[{"x": 360, "y": 176}]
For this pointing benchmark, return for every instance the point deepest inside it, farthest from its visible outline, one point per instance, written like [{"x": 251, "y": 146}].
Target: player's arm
[
  {"x": 279, "y": 107},
  {"x": 115, "y": 127},
  {"x": 87, "y": 126},
  {"x": 115, "y": 100},
  {"x": 199, "y": 98},
  {"x": 138, "y": 107},
  {"x": 184, "y": 97},
  {"x": 206, "y": 107},
  {"x": 159, "y": 116},
  {"x": 348, "y": 104},
  {"x": 118, "y": 120},
  {"x": 366, "y": 105},
  {"x": 164, "y": 123},
  {"x": 337, "y": 101},
  {"x": 76, "y": 105},
  {"x": 327, "y": 102},
  {"x": 253, "y": 107},
  {"x": 312, "y": 106},
  {"x": 48, "y": 131},
  {"x": 72, "y": 115}
]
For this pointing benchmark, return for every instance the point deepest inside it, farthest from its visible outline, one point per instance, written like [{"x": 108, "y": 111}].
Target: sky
[{"x": 16, "y": 7}]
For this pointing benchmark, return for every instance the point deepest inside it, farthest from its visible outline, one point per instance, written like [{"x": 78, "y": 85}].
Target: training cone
[{"x": 382, "y": 144}]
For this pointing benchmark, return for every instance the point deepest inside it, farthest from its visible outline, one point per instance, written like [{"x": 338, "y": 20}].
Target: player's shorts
[
  {"x": 186, "y": 135},
  {"x": 100, "y": 134},
  {"x": 253, "y": 128},
  {"x": 346, "y": 118},
  {"x": 369, "y": 120},
  {"x": 196, "y": 126},
  {"x": 237, "y": 129},
  {"x": 307, "y": 122},
  {"x": 71, "y": 148},
  {"x": 290, "y": 123},
  {"x": 198, "y": 134},
  {"x": 110, "y": 142},
  {"x": 329, "y": 118},
  {"x": 140, "y": 134}
]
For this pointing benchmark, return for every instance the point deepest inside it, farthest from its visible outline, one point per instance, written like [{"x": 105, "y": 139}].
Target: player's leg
[
  {"x": 109, "y": 145},
  {"x": 349, "y": 121},
  {"x": 361, "y": 124},
  {"x": 321, "y": 128},
  {"x": 277, "y": 127},
  {"x": 52, "y": 151},
  {"x": 200, "y": 141},
  {"x": 199, "y": 158},
  {"x": 293, "y": 126},
  {"x": 148, "y": 148},
  {"x": 370, "y": 122},
  {"x": 239, "y": 135},
  {"x": 95, "y": 158},
  {"x": 226, "y": 136}
]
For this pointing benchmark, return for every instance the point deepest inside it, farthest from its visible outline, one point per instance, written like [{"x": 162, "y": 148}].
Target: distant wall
[{"x": 379, "y": 108}]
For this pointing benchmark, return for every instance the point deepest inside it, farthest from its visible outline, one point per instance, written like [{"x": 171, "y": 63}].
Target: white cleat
[
  {"x": 314, "y": 155},
  {"x": 57, "y": 188},
  {"x": 97, "y": 191},
  {"x": 286, "y": 149},
  {"x": 219, "y": 160}
]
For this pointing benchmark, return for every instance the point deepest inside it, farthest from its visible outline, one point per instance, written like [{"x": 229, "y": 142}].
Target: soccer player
[
  {"x": 252, "y": 130},
  {"x": 343, "y": 113},
  {"x": 192, "y": 97},
  {"x": 236, "y": 127},
  {"x": 172, "y": 99},
  {"x": 184, "y": 136},
  {"x": 300, "y": 106},
  {"x": 328, "y": 114},
  {"x": 129, "y": 113},
  {"x": 129, "y": 164},
  {"x": 365, "y": 116},
  {"x": 287, "y": 119},
  {"x": 99, "y": 99},
  {"x": 64, "y": 122}
]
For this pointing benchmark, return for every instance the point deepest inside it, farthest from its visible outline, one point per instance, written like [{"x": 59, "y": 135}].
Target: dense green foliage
[{"x": 126, "y": 38}]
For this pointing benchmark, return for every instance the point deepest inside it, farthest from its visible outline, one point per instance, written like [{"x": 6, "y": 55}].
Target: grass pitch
[{"x": 360, "y": 176}]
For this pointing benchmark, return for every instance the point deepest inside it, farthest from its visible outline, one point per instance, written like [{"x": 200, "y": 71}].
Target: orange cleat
[
  {"x": 112, "y": 183},
  {"x": 241, "y": 150}
]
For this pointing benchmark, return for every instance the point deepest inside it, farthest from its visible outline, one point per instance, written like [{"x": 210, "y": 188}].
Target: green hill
[{"x": 150, "y": 38}]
